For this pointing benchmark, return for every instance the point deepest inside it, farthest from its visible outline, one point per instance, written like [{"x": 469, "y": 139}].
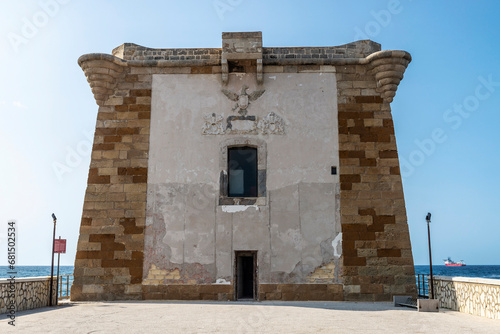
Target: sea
[
  {"x": 34, "y": 271},
  {"x": 492, "y": 272},
  {"x": 41, "y": 271}
]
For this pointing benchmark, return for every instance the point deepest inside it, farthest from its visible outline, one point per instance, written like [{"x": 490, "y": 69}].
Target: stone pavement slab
[{"x": 242, "y": 317}]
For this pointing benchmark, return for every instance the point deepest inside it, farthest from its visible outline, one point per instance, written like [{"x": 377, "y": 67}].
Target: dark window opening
[
  {"x": 242, "y": 167},
  {"x": 236, "y": 68},
  {"x": 242, "y": 66}
]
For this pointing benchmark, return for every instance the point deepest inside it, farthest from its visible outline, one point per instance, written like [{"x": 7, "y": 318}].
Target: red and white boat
[{"x": 450, "y": 263}]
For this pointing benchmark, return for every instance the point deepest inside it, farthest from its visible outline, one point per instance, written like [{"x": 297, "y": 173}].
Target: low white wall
[
  {"x": 478, "y": 296},
  {"x": 29, "y": 293}
]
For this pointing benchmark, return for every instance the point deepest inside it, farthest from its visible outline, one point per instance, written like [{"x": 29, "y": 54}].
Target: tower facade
[{"x": 244, "y": 172}]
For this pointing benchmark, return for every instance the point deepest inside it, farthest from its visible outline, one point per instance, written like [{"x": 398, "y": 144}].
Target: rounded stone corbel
[
  {"x": 102, "y": 72},
  {"x": 388, "y": 67}
]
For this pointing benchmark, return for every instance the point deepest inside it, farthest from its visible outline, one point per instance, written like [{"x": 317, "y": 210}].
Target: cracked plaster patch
[
  {"x": 238, "y": 208},
  {"x": 335, "y": 243}
]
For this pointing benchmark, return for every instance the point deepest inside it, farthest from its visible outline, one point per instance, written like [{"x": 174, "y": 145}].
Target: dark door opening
[{"x": 246, "y": 275}]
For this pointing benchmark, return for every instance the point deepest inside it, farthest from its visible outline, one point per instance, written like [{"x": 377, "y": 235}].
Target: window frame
[
  {"x": 249, "y": 169},
  {"x": 260, "y": 145}
]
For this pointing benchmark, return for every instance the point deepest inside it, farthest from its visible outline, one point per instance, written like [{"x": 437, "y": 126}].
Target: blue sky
[{"x": 446, "y": 110}]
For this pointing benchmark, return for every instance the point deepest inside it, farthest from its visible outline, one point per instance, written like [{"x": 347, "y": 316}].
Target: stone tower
[{"x": 244, "y": 172}]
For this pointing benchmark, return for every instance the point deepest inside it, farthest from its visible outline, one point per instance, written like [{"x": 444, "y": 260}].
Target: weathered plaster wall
[{"x": 296, "y": 230}]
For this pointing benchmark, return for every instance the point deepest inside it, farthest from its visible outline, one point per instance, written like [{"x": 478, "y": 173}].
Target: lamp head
[
  {"x": 428, "y": 217},
  {"x": 54, "y": 217}
]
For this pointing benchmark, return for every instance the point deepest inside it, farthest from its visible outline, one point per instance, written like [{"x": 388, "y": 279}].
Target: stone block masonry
[
  {"x": 30, "y": 293},
  {"x": 376, "y": 263},
  {"x": 477, "y": 296},
  {"x": 110, "y": 256}
]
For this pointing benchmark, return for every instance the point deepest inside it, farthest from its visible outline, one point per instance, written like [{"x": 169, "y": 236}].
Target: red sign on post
[{"x": 60, "y": 246}]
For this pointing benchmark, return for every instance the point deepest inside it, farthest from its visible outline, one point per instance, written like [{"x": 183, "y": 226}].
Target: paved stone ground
[{"x": 243, "y": 317}]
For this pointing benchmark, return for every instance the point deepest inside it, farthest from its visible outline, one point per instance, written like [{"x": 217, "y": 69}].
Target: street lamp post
[
  {"x": 52, "y": 266},
  {"x": 428, "y": 219}
]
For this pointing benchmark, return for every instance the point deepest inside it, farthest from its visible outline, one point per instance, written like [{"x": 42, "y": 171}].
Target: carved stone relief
[
  {"x": 243, "y": 124},
  {"x": 271, "y": 124},
  {"x": 213, "y": 125},
  {"x": 242, "y": 99}
]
